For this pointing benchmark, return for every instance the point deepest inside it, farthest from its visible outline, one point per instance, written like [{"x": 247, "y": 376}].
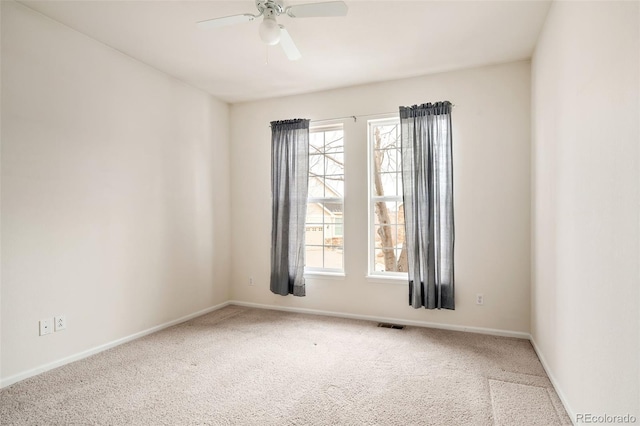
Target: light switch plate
[{"x": 46, "y": 327}]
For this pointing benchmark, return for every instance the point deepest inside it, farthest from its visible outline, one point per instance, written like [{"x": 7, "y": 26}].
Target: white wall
[
  {"x": 115, "y": 193},
  {"x": 585, "y": 291},
  {"x": 491, "y": 130}
]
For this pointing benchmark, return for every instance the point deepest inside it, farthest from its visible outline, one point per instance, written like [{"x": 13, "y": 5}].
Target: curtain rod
[{"x": 355, "y": 117}]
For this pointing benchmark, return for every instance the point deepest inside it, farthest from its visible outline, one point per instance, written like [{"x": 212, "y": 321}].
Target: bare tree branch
[
  {"x": 382, "y": 212},
  {"x": 386, "y": 237}
]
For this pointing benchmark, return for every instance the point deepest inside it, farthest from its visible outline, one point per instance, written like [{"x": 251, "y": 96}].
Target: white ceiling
[{"x": 376, "y": 41}]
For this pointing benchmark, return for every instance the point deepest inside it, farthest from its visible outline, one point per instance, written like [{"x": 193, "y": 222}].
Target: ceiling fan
[{"x": 270, "y": 31}]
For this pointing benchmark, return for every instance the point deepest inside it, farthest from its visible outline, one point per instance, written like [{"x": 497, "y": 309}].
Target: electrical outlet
[
  {"x": 479, "y": 299},
  {"x": 251, "y": 281},
  {"x": 60, "y": 322},
  {"x": 45, "y": 326}
]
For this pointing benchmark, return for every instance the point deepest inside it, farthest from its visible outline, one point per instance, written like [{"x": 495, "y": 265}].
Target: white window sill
[
  {"x": 387, "y": 279},
  {"x": 317, "y": 275}
]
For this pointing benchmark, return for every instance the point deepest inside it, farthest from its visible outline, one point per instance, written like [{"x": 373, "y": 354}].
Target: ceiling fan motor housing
[{"x": 269, "y": 8}]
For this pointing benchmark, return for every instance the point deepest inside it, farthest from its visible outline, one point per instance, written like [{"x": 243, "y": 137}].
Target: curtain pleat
[
  {"x": 427, "y": 178},
  {"x": 289, "y": 187}
]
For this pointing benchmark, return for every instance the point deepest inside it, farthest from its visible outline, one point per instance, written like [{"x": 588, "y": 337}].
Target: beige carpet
[{"x": 242, "y": 366}]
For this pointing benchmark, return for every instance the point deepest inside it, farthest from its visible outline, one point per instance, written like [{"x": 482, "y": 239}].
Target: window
[
  {"x": 324, "y": 239},
  {"x": 387, "y": 251}
]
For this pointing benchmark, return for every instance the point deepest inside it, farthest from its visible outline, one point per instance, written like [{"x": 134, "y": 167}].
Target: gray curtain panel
[
  {"x": 289, "y": 187},
  {"x": 427, "y": 179}
]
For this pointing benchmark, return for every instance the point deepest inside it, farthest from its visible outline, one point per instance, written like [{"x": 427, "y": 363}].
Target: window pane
[
  {"x": 334, "y": 186},
  {"x": 387, "y": 160},
  {"x": 393, "y": 211},
  {"x": 334, "y": 163},
  {"x": 331, "y": 211},
  {"x": 403, "y": 262},
  {"x": 386, "y": 260},
  {"x": 389, "y": 183},
  {"x": 388, "y": 136},
  {"x": 316, "y": 142},
  {"x": 386, "y": 212},
  {"x": 324, "y": 229},
  {"x": 316, "y": 165},
  {"x": 401, "y": 238},
  {"x": 313, "y": 256},
  {"x": 333, "y": 257},
  {"x": 316, "y": 186},
  {"x": 314, "y": 234},
  {"x": 385, "y": 180},
  {"x": 331, "y": 238},
  {"x": 334, "y": 141},
  {"x": 314, "y": 213},
  {"x": 385, "y": 236},
  {"x": 339, "y": 230},
  {"x": 378, "y": 262}
]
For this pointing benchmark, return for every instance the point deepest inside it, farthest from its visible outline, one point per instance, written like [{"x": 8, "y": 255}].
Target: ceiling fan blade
[
  {"x": 313, "y": 10},
  {"x": 288, "y": 45},
  {"x": 227, "y": 20}
]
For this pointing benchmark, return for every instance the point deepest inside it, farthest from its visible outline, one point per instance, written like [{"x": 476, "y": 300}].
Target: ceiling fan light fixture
[{"x": 269, "y": 31}]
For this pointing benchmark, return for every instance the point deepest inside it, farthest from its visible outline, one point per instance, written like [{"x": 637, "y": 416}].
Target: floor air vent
[{"x": 387, "y": 325}]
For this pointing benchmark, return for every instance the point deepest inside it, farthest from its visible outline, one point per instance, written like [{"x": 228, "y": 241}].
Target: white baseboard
[
  {"x": 479, "y": 330},
  {"x": 489, "y": 331},
  {"x": 553, "y": 380},
  {"x": 84, "y": 354}
]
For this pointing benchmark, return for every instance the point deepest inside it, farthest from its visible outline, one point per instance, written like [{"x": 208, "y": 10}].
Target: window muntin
[
  {"x": 324, "y": 238},
  {"x": 387, "y": 251}
]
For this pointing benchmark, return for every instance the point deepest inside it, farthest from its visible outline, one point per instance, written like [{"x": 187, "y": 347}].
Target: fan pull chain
[{"x": 266, "y": 55}]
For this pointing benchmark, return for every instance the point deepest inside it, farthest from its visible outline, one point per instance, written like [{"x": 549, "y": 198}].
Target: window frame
[
  {"x": 372, "y": 274},
  {"x": 311, "y": 272}
]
